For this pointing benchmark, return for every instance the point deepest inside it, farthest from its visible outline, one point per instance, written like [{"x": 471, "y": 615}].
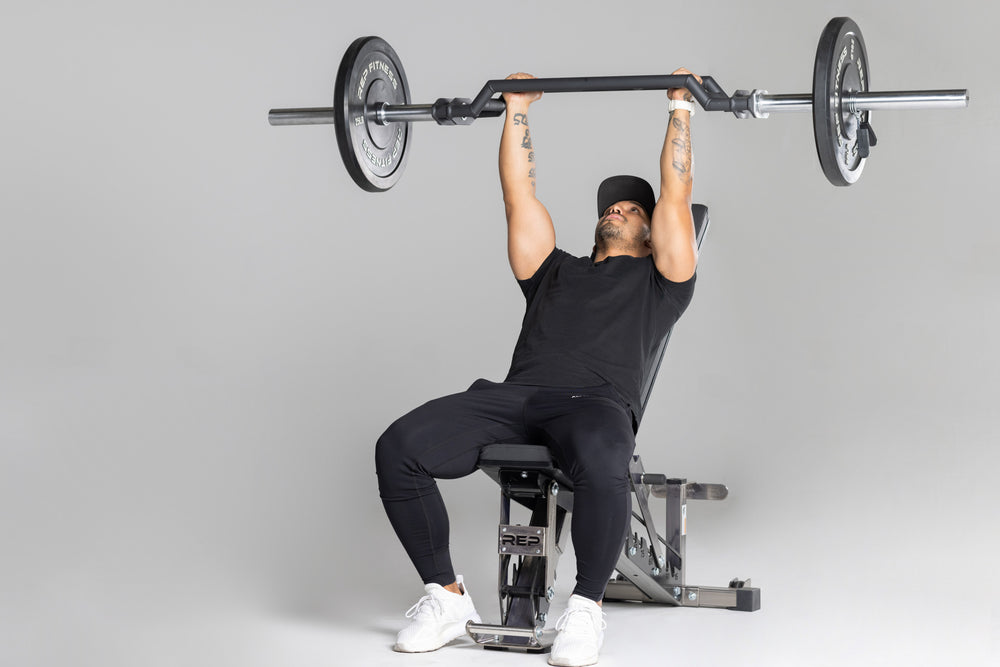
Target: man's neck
[{"x": 603, "y": 254}]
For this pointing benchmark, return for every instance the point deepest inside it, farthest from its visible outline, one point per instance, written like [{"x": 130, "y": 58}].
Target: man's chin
[{"x": 608, "y": 231}]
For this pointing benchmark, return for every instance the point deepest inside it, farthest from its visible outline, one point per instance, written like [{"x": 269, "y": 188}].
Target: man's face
[{"x": 624, "y": 223}]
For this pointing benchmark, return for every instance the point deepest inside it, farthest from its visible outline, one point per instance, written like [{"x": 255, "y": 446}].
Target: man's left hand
[{"x": 682, "y": 93}]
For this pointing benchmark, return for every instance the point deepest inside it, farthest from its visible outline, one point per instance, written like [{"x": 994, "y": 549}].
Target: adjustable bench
[{"x": 651, "y": 565}]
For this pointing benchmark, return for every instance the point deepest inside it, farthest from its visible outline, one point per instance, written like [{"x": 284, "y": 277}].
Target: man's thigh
[
  {"x": 442, "y": 438},
  {"x": 588, "y": 431}
]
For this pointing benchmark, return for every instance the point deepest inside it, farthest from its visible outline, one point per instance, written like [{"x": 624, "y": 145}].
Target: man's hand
[
  {"x": 682, "y": 93},
  {"x": 521, "y": 99}
]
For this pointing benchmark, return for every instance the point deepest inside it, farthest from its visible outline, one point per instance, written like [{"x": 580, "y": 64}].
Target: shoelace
[
  {"x": 424, "y": 606},
  {"x": 578, "y": 621}
]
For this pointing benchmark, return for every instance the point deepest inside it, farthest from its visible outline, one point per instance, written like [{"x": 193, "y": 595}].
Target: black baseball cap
[{"x": 625, "y": 188}]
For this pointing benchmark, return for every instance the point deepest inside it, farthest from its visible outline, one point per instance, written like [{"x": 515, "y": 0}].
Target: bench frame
[{"x": 650, "y": 567}]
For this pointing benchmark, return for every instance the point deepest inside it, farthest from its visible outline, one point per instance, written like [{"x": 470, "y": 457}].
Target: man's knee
[
  {"x": 395, "y": 459},
  {"x": 600, "y": 462},
  {"x": 602, "y": 476},
  {"x": 606, "y": 481}
]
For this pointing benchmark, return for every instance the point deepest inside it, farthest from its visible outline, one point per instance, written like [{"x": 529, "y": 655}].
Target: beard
[
  {"x": 607, "y": 231},
  {"x": 609, "y": 235}
]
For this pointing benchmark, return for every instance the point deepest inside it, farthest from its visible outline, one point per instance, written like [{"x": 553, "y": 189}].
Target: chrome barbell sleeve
[{"x": 765, "y": 103}]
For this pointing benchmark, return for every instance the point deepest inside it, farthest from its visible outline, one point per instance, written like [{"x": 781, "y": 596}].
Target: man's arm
[
  {"x": 672, "y": 237},
  {"x": 530, "y": 234}
]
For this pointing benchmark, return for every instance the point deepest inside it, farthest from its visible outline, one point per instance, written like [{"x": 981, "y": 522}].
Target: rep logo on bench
[{"x": 522, "y": 540}]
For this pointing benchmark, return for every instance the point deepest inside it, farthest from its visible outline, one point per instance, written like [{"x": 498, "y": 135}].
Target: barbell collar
[{"x": 458, "y": 111}]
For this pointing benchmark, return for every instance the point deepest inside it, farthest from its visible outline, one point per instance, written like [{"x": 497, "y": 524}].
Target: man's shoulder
[
  {"x": 563, "y": 256},
  {"x": 557, "y": 257}
]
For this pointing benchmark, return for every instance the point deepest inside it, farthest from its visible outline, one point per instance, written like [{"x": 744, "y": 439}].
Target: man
[{"x": 590, "y": 328}]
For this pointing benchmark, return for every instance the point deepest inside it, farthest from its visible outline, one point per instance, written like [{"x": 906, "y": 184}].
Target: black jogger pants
[{"x": 589, "y": 431}]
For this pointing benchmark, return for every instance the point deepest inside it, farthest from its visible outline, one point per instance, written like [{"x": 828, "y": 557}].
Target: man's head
[{"x": 624, "y": 208}]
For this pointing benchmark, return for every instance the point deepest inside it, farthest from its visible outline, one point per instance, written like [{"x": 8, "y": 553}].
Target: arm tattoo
[
  {"x": 531, "y": 156},
  {"x": 682, "y": 149},
  {"x": 521, "y": 119},
  {"x": 526, "y": 142}
]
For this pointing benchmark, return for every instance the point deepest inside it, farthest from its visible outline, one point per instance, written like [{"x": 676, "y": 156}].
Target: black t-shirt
[{"x": 589, "y": 323}]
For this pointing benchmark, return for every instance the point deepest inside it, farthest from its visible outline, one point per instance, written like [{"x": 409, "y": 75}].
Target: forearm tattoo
[
  {"x": 681, "y": 159},
  {"x": 519, "y": 119},
  {"x": 522, "y": 119}
]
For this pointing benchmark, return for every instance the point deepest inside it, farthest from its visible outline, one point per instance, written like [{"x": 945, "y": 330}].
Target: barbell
[{"x": 372, "y": 110}]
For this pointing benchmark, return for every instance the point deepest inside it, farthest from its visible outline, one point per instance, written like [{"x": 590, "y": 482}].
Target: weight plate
[
  {"x": 841, "y": 67},
  {"x": 370, "y": 73}
]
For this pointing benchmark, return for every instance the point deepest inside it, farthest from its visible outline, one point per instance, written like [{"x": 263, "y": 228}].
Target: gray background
[{"x": 206, "y": 326}]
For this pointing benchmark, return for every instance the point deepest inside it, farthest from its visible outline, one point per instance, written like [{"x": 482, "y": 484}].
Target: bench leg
[
  {"x": 653, "y": 570},
  {"x": 528, "y": 559}
]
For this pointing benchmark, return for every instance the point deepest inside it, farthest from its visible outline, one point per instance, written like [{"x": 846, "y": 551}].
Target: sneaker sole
[
  {"x": 449, "y": 633},
  {"x": 574, "y": 663}
]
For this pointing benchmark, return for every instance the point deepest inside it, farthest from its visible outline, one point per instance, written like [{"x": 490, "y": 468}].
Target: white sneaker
[
  {"x": 438, "y": 618},
  {"x": 581, "y": 633}
]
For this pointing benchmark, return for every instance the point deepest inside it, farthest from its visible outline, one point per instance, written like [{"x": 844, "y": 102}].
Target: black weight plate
[
  {"x": 841, "y": 67},
  {"x": 370, "y": 73}
]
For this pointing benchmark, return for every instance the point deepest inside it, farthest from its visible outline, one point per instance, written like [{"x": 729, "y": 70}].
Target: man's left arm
[{"x": 672, "y": 237}]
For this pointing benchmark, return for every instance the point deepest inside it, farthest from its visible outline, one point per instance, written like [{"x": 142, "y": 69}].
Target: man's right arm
[{"x": 531, "y": 236}]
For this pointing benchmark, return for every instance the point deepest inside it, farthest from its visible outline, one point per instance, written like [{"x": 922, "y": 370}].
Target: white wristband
[{"x": 681, "y": 104}]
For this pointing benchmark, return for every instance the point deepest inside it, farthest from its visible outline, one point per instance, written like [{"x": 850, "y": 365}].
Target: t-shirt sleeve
[
  {"x": 529, "y": 286},
  {"x": 677, "y": 294}
]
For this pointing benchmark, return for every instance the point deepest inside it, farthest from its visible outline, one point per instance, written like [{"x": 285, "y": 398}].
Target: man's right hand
[{"x": 521, "y": 99}]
